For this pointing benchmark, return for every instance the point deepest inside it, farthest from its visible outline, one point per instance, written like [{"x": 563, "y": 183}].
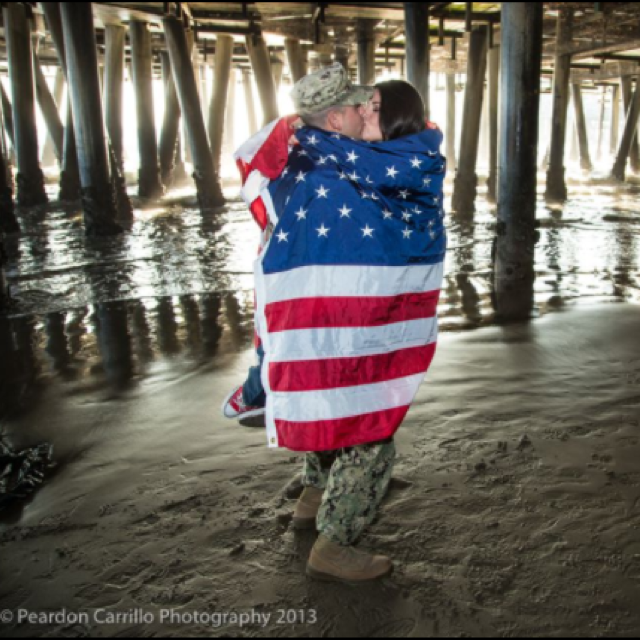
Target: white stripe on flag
[
  {"x": 334, "y": 404},
  {"x": 348, "y": 342},
  {"x": 351, "y": 281},
  {"x": 249, "y": 149}
]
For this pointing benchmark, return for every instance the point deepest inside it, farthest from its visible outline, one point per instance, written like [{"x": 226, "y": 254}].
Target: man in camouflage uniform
[{"x": 344, "y": 488}]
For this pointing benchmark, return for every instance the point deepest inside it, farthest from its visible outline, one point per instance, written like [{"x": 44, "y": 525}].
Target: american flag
[{"x": 348, "y": 286}]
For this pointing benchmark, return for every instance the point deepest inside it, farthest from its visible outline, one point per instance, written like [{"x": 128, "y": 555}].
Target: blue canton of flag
[{"x": 342, "y": 201}]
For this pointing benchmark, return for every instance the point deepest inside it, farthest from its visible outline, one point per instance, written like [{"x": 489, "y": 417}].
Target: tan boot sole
[
  {"x": 303, "y": 524},
  {"x": 328, "y": 577}
]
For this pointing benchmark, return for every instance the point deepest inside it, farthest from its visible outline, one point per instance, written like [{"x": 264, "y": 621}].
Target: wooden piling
[
  {"x": 98, "y": 198},
  {"x": 466, "y": 181},
  {"x": 581, "y": 125},
  {"x": 556, "y": 185},
  {"x": 115, "y": 36},
  {"x": 514, "y": 273},
  {"x": 217, "y": 109},
  {"x": 418, "y": 48},
  {"x": 206, "y": 179},
  {"x": 260, "y": 62},
  {"x": 296, "y": 57},
  {"x": 30, "y": 179},
  {"x": 149, "y": 173}
]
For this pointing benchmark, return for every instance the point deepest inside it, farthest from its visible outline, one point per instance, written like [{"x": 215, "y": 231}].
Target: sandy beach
[{"x": 515, "y": 509}]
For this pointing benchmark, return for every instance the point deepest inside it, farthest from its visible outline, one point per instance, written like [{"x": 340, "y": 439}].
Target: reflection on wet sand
[
  {"x": 178, "y": 287},
  {"x": 111, "y": 345}
]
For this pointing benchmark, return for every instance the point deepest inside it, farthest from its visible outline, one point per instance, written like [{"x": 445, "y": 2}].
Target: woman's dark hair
[{"x": 401, "y": 109}]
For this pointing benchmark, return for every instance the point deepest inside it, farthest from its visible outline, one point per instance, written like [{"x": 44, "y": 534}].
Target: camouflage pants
[{"x": 355, "y": 480}]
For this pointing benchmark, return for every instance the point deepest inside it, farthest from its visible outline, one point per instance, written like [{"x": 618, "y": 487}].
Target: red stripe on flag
[
  {"x": 272, "y": 157},
  {"x": 319, "y": 313},
  {"x": 327, "y": 435},
  {"x": 318, "y": 375}
]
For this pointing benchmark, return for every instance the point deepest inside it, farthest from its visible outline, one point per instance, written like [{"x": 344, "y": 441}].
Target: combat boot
[
  {"x": 332, "y": 562},
  {"x": 304, "y": 516}
]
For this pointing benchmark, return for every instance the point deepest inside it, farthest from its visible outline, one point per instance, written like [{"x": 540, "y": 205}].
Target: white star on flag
[
  {"x": 332, "y": 157},
  {"x": 352, "y": 157},
  {"x": 312, "y": 139},
  {"x": 282, "y": 236},
  {"x": 285, "y": 172},
  {"x": 374, "y": 197},
  {"x": 392, "y": 172},
  {"x": 302, "y": 152},
  {"x": 301, "y": 177},
  {"x": 387, "y": 214},
  {"x": 368, "y": 233},
  {"x": 336, "y": 136},
  {"x": 302, "y": 214},
  {"x": 322, "y": 161},
  {"x": 343, "y": 175},
  {"x": 427, "y": 182},
  {"x": 323, "y": 232},
  {"x": 415, "y": 163},
  {"x": 404, "y": 194},
  {"x": 364, "y": 195},
  {"x": 406, "y": 216},
  {"x": 417, "y": 210},
  {"x": 322, "y": 192},
  {"x": 345, "y": 211},
  {"x": 407, "y": 233},
  {"x": 369, "y": 180},
  {"x": 354, "y": 176}
]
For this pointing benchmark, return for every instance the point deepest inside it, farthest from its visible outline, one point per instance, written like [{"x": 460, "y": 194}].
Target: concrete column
[
  {"x": 522, "y": 24},
  {"x": 48, "y": 153},
  {"x": 224, "y": 55},
  {"x": 630, "y": 131},
  {"x": 171, "y": 123},
  {"x": 342, "y": 55},
  {"x": 603, "y": 105},
  {"x": 8, "y": 221},
  {"x": 494, "y": 84},
  {"x": 556, "y": 185},
  {"x": 4, "y": 300},
  {"x": 141, "y": 53},
  {"x": 248, "y": 96},
  {"x": 260, "y": 61},
  {"x": 634, "y": 152},
  {"x": 114, "y": 83},
  {"x": 451, "y": 123},
  {"x": 70, "y": 174},
  {"x": 466, "y": 181},
  {"x": 366, "y": 52},
  {"x": 278, "y": 67},
  {"x": 49, "y": 109},
  {"x": 30, "y": 179},
  {"x": 297, "y": 58},
  {"x": 205, "y": 176},
  {"x": 615, "y": 119},
  {"x": 416, "y": 17},
  {"x": 98, "y": 198},
  {"x": 193, "y": 53},
  {"x": 581, "y": 124},
  {"x": 229, "y": 144},
  {"x": 7, "y": 114}
]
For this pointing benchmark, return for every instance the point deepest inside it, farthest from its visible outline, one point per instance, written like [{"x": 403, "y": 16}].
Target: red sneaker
[{"x": 234, "y": 406}]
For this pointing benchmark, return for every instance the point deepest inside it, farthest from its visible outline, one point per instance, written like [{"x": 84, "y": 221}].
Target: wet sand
[{"x": 516, "y": 511}]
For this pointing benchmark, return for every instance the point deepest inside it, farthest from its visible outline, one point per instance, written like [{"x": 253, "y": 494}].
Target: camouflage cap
[{"x": 328, "y": 87}]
